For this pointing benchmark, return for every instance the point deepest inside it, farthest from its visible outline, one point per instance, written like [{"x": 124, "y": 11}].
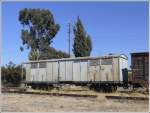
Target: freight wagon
[
  {"x": 97, "y": 72},
  {"x": 140, "y": 69}
]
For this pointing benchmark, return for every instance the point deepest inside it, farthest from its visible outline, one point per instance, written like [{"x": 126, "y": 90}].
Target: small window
[
  {"x": 42, "y": 65},
  {"x": 76, "y": 61},
  {"x": 94, "y": 62},
  {"x": 106, "y": 61},
  {"x": 83, "y": 61},
  {"x": 34, "y": 65}
]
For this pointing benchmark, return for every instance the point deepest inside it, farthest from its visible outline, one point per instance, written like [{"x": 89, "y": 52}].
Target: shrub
[{"x": 11, "y": 74}]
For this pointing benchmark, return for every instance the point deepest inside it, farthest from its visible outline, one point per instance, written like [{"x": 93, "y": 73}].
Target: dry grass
[{"x": 46, "y": 103}]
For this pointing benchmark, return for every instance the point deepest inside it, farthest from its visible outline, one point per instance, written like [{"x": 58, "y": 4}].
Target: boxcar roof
[
  {"x": 79, "y": 58},
  {"x": 139, "y": 53}
]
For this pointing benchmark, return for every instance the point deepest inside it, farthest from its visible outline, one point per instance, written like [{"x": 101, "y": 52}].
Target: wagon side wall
[
  {"x": 28, "y": 71},
  {"x": 116, "y": 73},
  {"x": 123, "y": 63},
  {"x": 140, "y": 68},
  {"x": 78, "y": 70}
]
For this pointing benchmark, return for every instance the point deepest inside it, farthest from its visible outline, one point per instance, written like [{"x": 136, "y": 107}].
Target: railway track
[
  {"x": 127, "y": 98},
  {"x": 21, "y": 91},
  {"x": 53, "y": 94}
]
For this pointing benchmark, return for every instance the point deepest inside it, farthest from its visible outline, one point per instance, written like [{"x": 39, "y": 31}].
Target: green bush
[{"x": 11, "y": 74}]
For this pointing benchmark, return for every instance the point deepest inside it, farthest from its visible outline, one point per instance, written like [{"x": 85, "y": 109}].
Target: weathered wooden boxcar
[
  {"x": 83, "y": 70},
  {"x": 140, "y": 68}
]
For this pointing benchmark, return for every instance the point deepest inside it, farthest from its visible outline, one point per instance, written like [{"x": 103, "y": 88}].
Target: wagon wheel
[
  {"x": 113, "y": 88},
  {"x": 125, "y": 86},
  {"x": 144, "y": 83}
]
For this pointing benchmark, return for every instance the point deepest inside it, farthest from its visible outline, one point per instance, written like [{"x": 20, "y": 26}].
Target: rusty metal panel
[
  {"x": 28, "y": 71},
  {"x": 84, "y": 70},
  {"x": 146, "y": 69},
  {"x": 69, "y": 71},
  {"x": 116, "y": 76},
  {"x": 42, "y": 74},
  {"x": 106, "y": 69},
  {"x": 55, "y": 71},
  {"x": 50, "y": 71},
  {"x": 106, "y": 73},
  {"x": 94, "y": 74},
  {"x": 62, "y": 71},
  {"x": 94, "y": 70},
  {"x": 140, "y": 68},
  {"x": 42, "y": 71},
  {"x": 76, "y": 71},
  {"x": 34, "y": 76}
]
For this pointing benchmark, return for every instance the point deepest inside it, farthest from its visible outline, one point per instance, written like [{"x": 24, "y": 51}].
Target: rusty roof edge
[
  {"x": 145, "y": 52},
  {"x": 79, "y": 58}
]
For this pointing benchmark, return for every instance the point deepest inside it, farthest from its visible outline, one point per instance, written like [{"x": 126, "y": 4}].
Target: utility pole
[{"x": 69, "y": 31}]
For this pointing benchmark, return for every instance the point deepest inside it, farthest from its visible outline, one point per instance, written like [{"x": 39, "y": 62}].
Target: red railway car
[{"x": 140, "y": 69}]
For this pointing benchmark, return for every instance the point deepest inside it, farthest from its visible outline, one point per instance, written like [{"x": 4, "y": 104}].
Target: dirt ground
[{"x": 45, "y": 103}]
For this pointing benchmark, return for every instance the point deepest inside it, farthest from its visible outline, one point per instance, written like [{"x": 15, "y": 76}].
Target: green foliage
[
  {"x": 33, "y": 55},
  {"x": 11, "y": 74},
  {"x": 82, "y": 43},
  {"x": 39, "y": 28},
  {"x": 51, "y": 53},
  {"x": 89, "y": 44},
  {"x": 48, "y": 53}
]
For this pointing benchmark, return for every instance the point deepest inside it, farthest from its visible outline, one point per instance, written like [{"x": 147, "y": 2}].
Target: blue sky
[{"x": 115, "y": 27}]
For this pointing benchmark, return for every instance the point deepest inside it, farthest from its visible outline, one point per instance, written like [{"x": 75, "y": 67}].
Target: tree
[
  {"x": 51, "y": 53},
  {"x": 39, "y": 28},
  {"x": 48, "y": 53},
  {"x": 33, "y": 55},
  {"x": 82, "y": 43},
  {"x": 11, "y": 74},
  {"x": 89, "y": 44}
]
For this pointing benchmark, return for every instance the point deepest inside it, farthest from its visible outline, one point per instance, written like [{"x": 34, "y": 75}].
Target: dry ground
[{"x": 46, "y": 103}]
